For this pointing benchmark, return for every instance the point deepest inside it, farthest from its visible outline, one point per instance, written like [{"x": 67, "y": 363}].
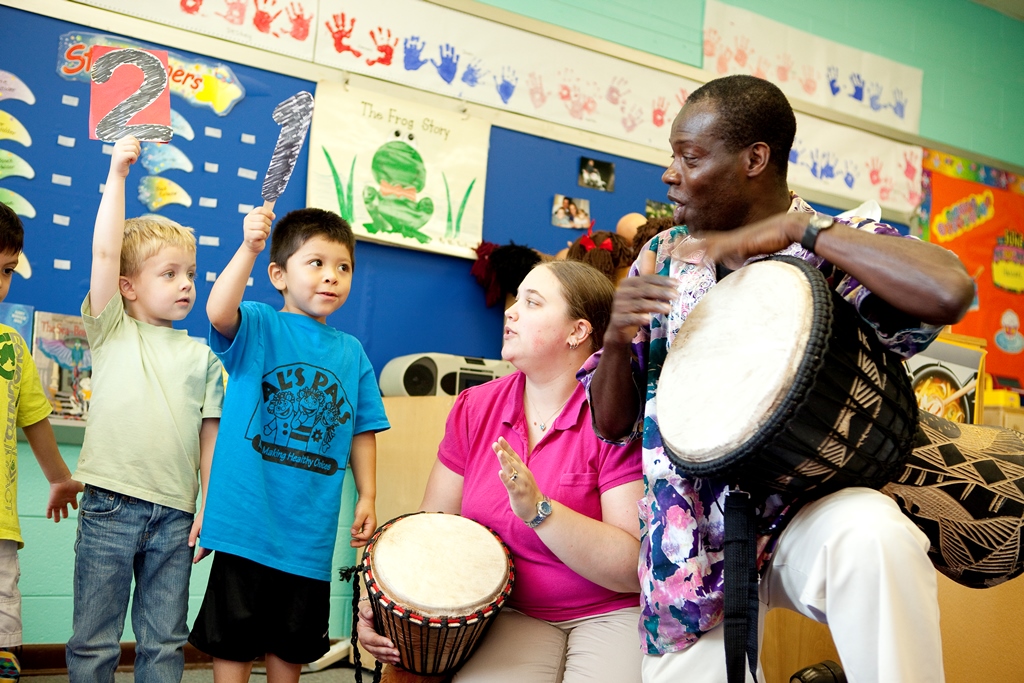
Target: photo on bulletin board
[
  {"x": 653, "y": 209},
  {"x": 597, "y": 175},
  {"x": 570, "y": 212}
]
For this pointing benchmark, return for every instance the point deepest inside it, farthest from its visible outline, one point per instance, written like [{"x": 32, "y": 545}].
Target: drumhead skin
[
  {"x": 439, "y": 565},
  {"x": 744, "y": 342}
]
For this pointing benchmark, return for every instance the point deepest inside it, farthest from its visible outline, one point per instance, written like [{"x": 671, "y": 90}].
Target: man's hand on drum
[
  {"x": 377, "y": 645},
  {"x": 523, "y": 494},
  {"x": 364, "y": 524},
  {"x": 636, "y": 298},
  {"x": 732, "y": 248}
]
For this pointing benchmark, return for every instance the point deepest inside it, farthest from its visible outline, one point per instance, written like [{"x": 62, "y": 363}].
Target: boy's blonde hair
[{"x": 146, "y": 235}]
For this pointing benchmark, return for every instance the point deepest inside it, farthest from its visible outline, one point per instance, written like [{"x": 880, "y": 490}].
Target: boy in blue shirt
[{"x": 302, "y": 402}]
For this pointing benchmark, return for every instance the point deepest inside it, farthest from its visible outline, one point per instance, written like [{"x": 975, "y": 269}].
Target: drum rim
[
  {"x": 378, "y": 596},
  {"x": 797, "y": 394}
]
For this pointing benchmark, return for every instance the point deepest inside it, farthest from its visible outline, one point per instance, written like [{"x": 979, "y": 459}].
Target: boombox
[{"x": 431, "y": 374}]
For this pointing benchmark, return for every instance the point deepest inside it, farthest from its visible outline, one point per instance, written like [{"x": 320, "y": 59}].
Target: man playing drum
[{"x": 850, "y": 559}]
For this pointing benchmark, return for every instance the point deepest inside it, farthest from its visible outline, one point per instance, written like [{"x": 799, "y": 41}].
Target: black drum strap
[
  {"x": 740, "y": 573},
  {"x": 353, "y": 574}
]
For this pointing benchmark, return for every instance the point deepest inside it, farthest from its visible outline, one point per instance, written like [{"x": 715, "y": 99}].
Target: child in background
[
  {"x": 24, "y": 405},
  {"x": 156, "y": 404},
  {"x": 302, "y": 401}
]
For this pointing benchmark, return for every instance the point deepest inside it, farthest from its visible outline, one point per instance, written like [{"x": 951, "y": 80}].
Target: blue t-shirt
[{"x": 298, "y": 391}]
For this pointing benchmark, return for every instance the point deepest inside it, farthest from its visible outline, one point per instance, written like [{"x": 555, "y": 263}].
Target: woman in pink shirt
[{"x": 519, "y": 455}]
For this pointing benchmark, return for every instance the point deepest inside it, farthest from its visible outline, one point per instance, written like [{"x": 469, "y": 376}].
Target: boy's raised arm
[
  {"x": 227, "y": 292},
  {"x": 108, "y": 235}
]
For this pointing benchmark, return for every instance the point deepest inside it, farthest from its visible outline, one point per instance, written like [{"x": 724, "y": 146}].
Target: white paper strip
[
  {"x": 65, "y": 141},
  {"x": 61, "y": 264},
  {"x": 245, "y": 208},
  {"x": 248, "y": 139},
  {"x": 209, "y": 240},
  {"x": 61, "y": 219},
  {"x": 211, "y": 276},
  {"x": 58, "y": 179},
  {"x": 211, "y": 167},
  {"x": 804, "y": 66},
  {"x": 247, "y": 173},
  {"x": 69, "y": 100},
  {"x": 208, "y": 202},
  {"x": 212, "y": 132},
  {"x": 108, "y": 149}
]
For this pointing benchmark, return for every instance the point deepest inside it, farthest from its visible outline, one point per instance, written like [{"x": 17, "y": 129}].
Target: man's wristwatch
[
  {"x": 543, "y": 510},
  {"x": 819, "y": 222}
]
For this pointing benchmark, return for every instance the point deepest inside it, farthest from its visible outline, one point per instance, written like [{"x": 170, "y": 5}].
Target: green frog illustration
[{"x": 399, "y": 170}]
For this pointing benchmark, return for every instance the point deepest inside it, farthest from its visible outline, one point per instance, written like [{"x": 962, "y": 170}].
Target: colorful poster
[
  {"x": 984, "y": 226},
  {"x": 806, "y": 67},
  {"x": 851, "y": 163},
  {"x": 398, "y": 172},
  {"x": 281, "y": 26},
  {"x": 440, "y": 50}
]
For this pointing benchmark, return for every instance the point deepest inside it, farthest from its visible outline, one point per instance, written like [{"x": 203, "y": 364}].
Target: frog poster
[{"x": 399, "y": 172}]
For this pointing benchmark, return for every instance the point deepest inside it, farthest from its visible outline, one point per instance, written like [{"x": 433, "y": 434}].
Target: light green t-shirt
[
  {"x": 22, "y": 403},
  {"x": 151, "y": 389}
]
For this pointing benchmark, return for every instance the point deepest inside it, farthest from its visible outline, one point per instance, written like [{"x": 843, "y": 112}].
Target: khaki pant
[{"x": 521, "y": 649}]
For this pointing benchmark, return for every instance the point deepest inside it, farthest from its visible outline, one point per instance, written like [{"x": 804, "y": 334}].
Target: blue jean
[{"x": 118, "y": 537}]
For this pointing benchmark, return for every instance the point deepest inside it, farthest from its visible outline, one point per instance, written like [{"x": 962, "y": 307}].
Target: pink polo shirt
[{"x": 570, "y": 464}]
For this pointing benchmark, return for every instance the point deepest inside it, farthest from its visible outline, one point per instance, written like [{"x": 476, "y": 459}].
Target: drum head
[
  {"x": 734, "y": 361},
  {"x": 439, "y": 564}
]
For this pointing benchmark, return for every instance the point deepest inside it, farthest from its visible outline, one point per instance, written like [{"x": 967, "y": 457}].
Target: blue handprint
[
  {"x": 849, "y": 174},
  {"x": 900, "y": 103},
  {"x": 814, "y": 168},
  {"x": 449, "y": 63},
  {"x": 858, "y": 87},
  {"x": 828, "y": 167},
  {"x": 413, "y": 47},
  {"x": 795, "y": 152},
  {"x": 473, "y": 73},
  {"x": 833, "y": 79},
  {"x": 875, "y": 94},
  {"x": 507, "y": 85}
]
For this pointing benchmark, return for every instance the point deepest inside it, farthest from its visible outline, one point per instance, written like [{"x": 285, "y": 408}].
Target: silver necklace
[{"x": 544, "y": 424}]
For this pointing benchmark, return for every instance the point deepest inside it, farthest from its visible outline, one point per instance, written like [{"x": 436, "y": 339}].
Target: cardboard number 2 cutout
[
  {"x": 114, "y": 125},
  {"x": 293, "y": 115}
]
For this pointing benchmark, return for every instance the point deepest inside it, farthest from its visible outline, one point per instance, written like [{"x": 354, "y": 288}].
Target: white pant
[{"x": 853, "y": 561}]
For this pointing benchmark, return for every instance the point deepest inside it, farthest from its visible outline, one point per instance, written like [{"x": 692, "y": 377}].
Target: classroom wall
[{"x": 972, "y": 56}]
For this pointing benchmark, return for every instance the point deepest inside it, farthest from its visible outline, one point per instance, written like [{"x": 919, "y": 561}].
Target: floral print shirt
[{"x": 682, "y": 519}]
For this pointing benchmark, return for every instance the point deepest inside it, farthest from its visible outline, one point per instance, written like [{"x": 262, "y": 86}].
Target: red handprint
[
  {"x": 810, "y": 80},
  {"x": 264, "y": 19},
  {"x": 742, "y": 49},
  {"x": 784, "y": 68},
  {"x": 658, "y": 109},
  {"x": 910, "y": 168},
  {"x": 711, "y": 42},
  {"x": 300, "y": 22},
  {"x": 537, "y": 93},
  {"x": 617, "y": 90},
  {"x": 914, "y": 197},
  {"x": 385, "y": 46},
  {"x": 723, "y": 61},
  {"x": 340, "y": 32},
  {"x": 682, "y": 96},
  {"x": 235, "y": 12},
  {"x": 564, "y": 92},
  {"x": 191, "y": 6},
  {"x": 631, "y": 118},
  {"x": 762, "y": 68},
  {"x": 875, "y": 173},
  {"x": 886, "y": 189}
]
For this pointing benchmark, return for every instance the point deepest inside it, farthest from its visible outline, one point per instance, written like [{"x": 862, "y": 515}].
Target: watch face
[{"x": 544, "y": 508}]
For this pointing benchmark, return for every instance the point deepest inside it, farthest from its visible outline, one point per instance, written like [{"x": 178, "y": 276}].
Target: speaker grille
[{"x": 420, "y": 377}]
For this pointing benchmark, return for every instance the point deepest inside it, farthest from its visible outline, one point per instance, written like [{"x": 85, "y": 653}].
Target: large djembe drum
[{"x": 436, "y": 582}]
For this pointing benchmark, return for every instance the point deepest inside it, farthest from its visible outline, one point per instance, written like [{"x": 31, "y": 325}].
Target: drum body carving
[
  {"x": 436, "y": 581},
  {"x": 964, "y": 487},
  {"x": 805, "y": 396}
]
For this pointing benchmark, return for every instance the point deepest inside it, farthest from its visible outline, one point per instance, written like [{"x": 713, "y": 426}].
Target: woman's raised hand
[{"x": 523, "y": 494}]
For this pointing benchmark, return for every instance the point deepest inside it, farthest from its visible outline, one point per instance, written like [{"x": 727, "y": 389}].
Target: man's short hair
[
  {"x": 146, "y": 235},
  {"x": 751, "y": 110},
  {"x": 299, "y": 226},
  {"x": 12, "y": 233}
]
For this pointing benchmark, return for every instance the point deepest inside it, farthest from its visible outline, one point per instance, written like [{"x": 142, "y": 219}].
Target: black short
[{"x": 250, "y": 609}]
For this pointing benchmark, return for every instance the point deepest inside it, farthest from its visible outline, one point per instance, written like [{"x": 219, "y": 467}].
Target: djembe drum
[
  {"x": 436, "y": 581},
  {"x": 806, "y": 398}
]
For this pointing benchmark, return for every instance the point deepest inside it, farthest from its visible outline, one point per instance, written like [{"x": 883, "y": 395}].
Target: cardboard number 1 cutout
[
  {"x": 293, "y": 115},
  {"x": 114, "y": 125}
]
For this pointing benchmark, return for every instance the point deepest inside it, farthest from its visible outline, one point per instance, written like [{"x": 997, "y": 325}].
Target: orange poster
[{"x": 984, "y": 226}]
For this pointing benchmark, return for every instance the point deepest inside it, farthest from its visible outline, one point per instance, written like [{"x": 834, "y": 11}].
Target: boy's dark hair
[
  {"x": 12, "y": 233},
  {"x": 299, "y": 226}
]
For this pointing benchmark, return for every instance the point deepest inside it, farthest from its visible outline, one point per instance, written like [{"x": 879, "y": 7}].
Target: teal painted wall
[
  {"x": 972, "y": 56},
  {"x": 47, "y": 560}
]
